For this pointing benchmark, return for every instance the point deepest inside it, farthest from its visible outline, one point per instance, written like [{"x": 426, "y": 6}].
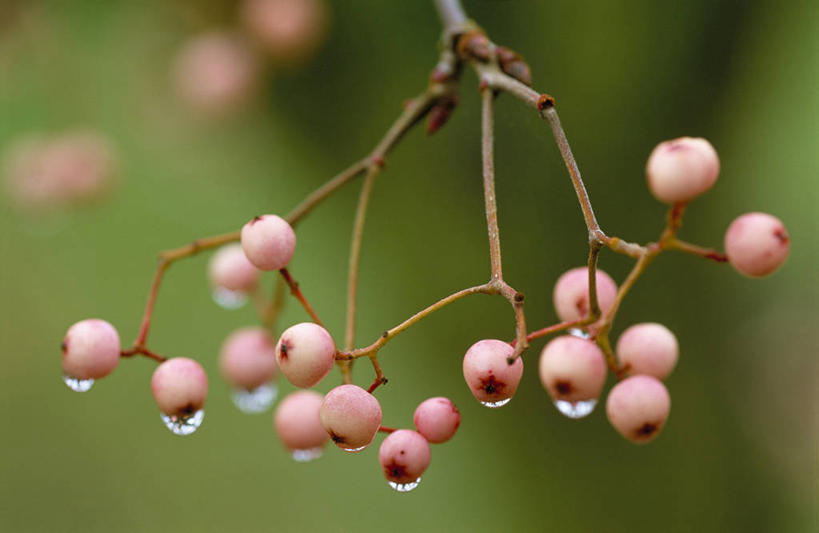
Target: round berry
[
  {"x": 682, "y": 169},
  {"x": 179, "y": 386},
  {"x": 90, "y": 349},
  {"x": 230, "y": 269},
  {"x": 649, "y": 349},
  {"x": 305, "y": 354},
  {"x": 288, "y": 30},
  {"x": 268, "y": 242},
  {"x": 638, "y": 407},
  {"x": 757, "y": 244},
  {"x": 248, "y": 358},
  {"x": 215, "y": 73},
  {"x": 297, "y": 421},
  {"x": 572, "y": 369},
  {"x": 492, "y": 380},
  {"x": 404, "y": 456},
  {"x": 351, "y": 416},
  {"x": 571, "y": 293},
  {"x": 437, "y": 419}
]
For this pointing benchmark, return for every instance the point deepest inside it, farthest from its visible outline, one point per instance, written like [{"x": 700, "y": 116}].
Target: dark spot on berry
[
  {"x": 563, "y": 387},
  {"x": 255, "y": 219},
  {"x": 187, "y": 410},
  {"x": 782, "y": 235},
  {"x": 64, "y": 346},
  {"x": 338, "y": 439},
  {"x": 646, "y": 430},
  {"x": 490, "y": 385},
  {"x": 395, "y": 471},
  {"x": 402, "y": 452},
  {"x": 283, "y": 349},
  {"x": 581, "y": 306}
]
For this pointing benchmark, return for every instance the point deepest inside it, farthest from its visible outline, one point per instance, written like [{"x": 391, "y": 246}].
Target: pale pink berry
[
  {"x": 230, "y": 269},
  {"x": 179, "y": 386},
  {"x": 404, "y": 456},
  {"x": 268, "y": 242},
  {"x": 638, "y": 407},
  {"x": 437, "y": 419},
  {"x": 492, "y": 380},
  {"x": 248, "y": 358},
  {"x": 215, "y": 72},
  {"x": 648, "y": 348},
  {"x": 757, "y": 244},
  {"x": 572, "y": 369},
  {"x": 288, "y": 30},
  {"x": 90, "y": 349},
  {"x": 571, "y": 293},
  {"x": 682, "y": 169},
  {"x": 305, "y": 354},
  {"x": 351, "y": 416},
  {"x": 297, "y": 421}
]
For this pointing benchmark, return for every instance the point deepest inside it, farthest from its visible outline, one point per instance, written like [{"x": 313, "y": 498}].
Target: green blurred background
[{"x": 740, "y": 451}]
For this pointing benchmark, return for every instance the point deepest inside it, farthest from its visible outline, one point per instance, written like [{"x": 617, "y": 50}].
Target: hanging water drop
[
  {"x": 495, "y": 405},
  {"x": 183, "y": 425},
  {"x": 307, "y": 454},
  {"x": 228, "y": 299},
  {"x": 76, "y": 384},
  {"x": 404, "y": 487},
  {"x": 353, "y": 450},
  {"x": 576, "y": 409},
  {"x": 579, "y": 333},
  {"x": 257, "y": 400}
]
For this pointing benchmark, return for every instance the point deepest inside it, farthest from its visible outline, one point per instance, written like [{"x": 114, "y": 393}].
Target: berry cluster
[{"x": 572, "y": 367}]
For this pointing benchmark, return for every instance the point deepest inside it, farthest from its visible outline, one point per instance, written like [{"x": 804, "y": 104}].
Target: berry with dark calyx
[
  {"x": 757, "y": 244},
  {"x": 490, "y": 377},
  {"x": 404, "y": 456},
  {"x": 571, "y": 293},
  {"x": 437, "y": 419},
  {"x": 268, "y": 242},
  {"x": 572, "y": 369},
  {"x": 351, "y": 416},
  {"x": 648, "y": 348},
  {"x": 682, "y": 169},
  {"x": 90, "y": 349},
  {"x": 638, "y": 407},
  {"x": 180, "y": 387},
  {"x": 305, "y": 354}
]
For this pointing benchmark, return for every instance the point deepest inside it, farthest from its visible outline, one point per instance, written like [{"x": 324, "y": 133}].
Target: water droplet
[
  {"x": 495, "y": 405},
  {"x": 255, "y": 401},
  {"x": 76, "y": 384},
  {"x": 183, "y": 425},
  {"x": 580, "y": 333},
  {"x": 577, "y": 409},
  {"x": 404, "y": 487},
  {"x": 228, "y": 299},
  {"x": 353, "y": 450},
  {"x": 308, "y": 454}
]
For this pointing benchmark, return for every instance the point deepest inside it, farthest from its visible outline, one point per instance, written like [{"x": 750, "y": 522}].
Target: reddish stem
[
  {"x": 141, "y": 350},
  {"x": 553, "y": 329},
  {"x": 385, "y": 429},
  {"x": 295, "y": 291}
]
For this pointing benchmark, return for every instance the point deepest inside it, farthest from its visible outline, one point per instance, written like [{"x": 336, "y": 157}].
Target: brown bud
[
  {"x": 474, "y": 45},
  {"x": 439, "y": 114},
  {"x": 513, "y": 64}
]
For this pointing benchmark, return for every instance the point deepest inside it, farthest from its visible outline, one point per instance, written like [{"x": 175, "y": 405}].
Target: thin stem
[
  {"x": 451, "y": 13},
  {"x": 141, "y": 350},
  {"x": 488, "y": 157},
  {"x": 296, "y": 291},
  {"x": 379, "y": 374},
  {"x": 594, "y": 252},
  {"x": 707, "y": 253},
  {"x": 385, "y": 429},
  {"x": 549, "y": 330},
  {"x": 316, "y": 197}
]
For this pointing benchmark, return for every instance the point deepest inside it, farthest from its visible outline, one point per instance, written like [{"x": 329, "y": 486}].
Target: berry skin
[
  {"x": 571, "y": 293},
  {"x": 305, "y": 354},
  {"x": 90, "y": 349},
  {"x": 230, "y": 269},
  {"x": 487, "y": 373},
  {"x": 248, "y": 358},
  {"x": 268, "y": 242},
  {"x": 351, "y": 416},
  {"x": 437, "y": 419},
  {"x": 648, "y": 348},
  {"x": 288, "y": 30},
  {"x": 179, "y": 386},
  {"x": 682, "y": 169},
  {"x": 757, "y": 244},
  {"x": 297, "y": 421},
  {"x": 404, "y": 456},
  {"x": 572, "y": 369},
  {"x": 638, "y": 407}
]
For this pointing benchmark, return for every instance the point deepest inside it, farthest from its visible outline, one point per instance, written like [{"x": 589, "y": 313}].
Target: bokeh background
[{"x": 740, "y": 451}]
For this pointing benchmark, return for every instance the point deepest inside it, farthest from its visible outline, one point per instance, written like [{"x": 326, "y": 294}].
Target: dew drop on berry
[
  {"x": 577, "y": 409},
  {"x": 228, "y": 299},
  {"x": 579, "y": 333},
  {"x": 307, "y": 455},
  {"x": 76, "y": 384},
  {"x": 183, "y": 425},
  {"x": 406, "y": 487},
  {"x": 256, "y": 400},
  {"x": 494, "y": 405}
]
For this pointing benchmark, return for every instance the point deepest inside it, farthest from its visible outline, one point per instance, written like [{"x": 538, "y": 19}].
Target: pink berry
[
  {"x": 572, "y": 369},
  {"x": 248, "y": 358},
  {"x": 351, "y": 416},
  {"x": 230, "y": 269},
  {"x": 305, "y": 354},
  {"x": 404, "y": 456},
  {"x": 90, "y": 349},
  {"x": 492, "y": 380},
  {"x": 571, "y": 293},
  {"x": 682, "y": 169},
  {"x": 649, "y": 349},
  {"x": 268, "y": 242},
  {"x": 638, "y": 407},
  {"x": 297, "y": 421},
  {"x": 437, "y": 419},
  {"x": 215, "y": 73},
  {"x": 288, "y": 30},
  {"x": 757, "y": 244},
  {"x": 179, "y": 386}
]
